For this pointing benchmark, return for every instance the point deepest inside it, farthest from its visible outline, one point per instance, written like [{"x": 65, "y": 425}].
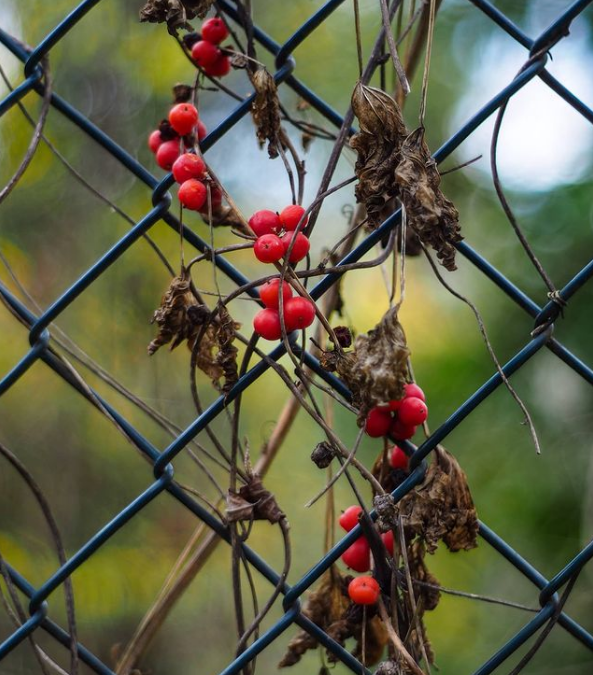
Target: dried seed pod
[
  {"x": 386, "y": 512},
  {"x": 323, "y": 455},
  {"x": 382, "y": 131},
  {"x": 344, "y": 336},
  {"x": 430, "y": 214},
  {"x": 182, "y": 93}
]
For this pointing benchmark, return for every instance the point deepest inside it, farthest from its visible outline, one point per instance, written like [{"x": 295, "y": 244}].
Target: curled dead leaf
[
  {"x": 382, "y": 131},
  {"x": 179, "y": 316},
  {"x": 265, "y": 110},
  {"x": 175, "y": 13},
  {"x": 253, "y": 501},
  {"x": 324, "y": 606},
  {"x": 430, "y": 214},
  {"x": 441, "y": 508},
  {"x": 376, "y": 370},
  {"x": 217, "y": 355}
]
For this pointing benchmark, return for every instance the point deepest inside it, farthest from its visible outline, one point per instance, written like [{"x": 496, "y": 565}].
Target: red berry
[
  {"x": 291, "y": 216},
  {"x": 399, "y": 459},
  {"x": 394, "y": 405},
  {"x": 377, "y": 422},
  {"x": 364, "y": 590},
  {"x": 358, "y": 556},
  {"x": 183, "y": 117},
  {"x": 268, "y": 248},
  {"x": 188, "y": 166},
  {"x": 388, "y": 541},
  {"x": 219, "y": 68},
  {"x": 414, "y": 390},
  {"x": 192, "y": 194},
  {"x": 167, "y": 153},
  {"x": 300, "y": 247},
  {"x": 264, "y": 222},
  {"x": 205, "y": 53},
  {"x": 266, "y": 323},
  {"x": 155, "y": 140},
  {"x": 412, "y": 411},
  {"x": 269, "y": 293},
  {"x": 349, "y": 518},
  {"x": 298, "y": 313},
  {"x": 401, "y": 431},
  {"x": 214, "y": 30},
  {"x": 202, "y": 131}
]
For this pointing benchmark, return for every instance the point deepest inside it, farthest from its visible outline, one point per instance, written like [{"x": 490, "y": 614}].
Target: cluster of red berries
[
  {"x": 398, "y": 418},
  {"x": 206, "y": 53},
  {"x": 275, "y": 234},
  {"x": 362, "y": 590},
  {"x": 276, "y": 239},
  {"x": 165, "y": 142},
  {"x": 189, "y": 169},
  {"x": 298, "y": 312},
  {"x": 358, "y": 556}
]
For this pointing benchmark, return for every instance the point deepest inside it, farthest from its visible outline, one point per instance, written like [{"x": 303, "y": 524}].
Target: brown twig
[{"x": 398, "y": 645}]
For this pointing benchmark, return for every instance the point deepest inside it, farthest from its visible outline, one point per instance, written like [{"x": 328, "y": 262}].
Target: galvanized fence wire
[{"x": 544, "y": 317}]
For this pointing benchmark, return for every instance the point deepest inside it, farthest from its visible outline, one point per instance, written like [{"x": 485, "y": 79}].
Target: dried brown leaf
[
  {"x": 441, "y": 507},
  {"x": 175, "y": 13},
  {"x": 431, "y": 215},
  {"x": 253, "y": 502},
  {"x": 265, "y": 110},
  {"x": 376, "y": 370},
  {"x": 217, "y": 355},
  {"x": 324, "y": 606},
  {"x": 382, "y": 131},
  {"x": 376, "y": 639},
  {"x": 179, "y": 316}
]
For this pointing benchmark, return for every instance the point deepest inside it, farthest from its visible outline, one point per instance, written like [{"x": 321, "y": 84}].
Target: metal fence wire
[{"x": 286, "y": 75}]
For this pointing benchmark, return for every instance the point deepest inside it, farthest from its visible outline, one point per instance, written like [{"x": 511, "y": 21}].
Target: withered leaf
[
  {"x": 217, "y": 355},
  {"x": 179, "y": 316},
  {"x": 175, "y": 12},
  {"x": 350, "y": 626},
  {"x": 262, "y": 502},
  {"x": 330, "y": 608},
  {"x": 324, "y": 606},
  {"x": 441, "y": 507},
  {"x": 265, "y": 110},
  {"x": 430, "y": 214},
  {"x": 382, "y": 131},
  {"x": 376, "y": 370}
]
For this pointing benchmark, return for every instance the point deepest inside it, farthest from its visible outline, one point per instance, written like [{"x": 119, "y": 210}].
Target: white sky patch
[{"x": 543, "y": 142}]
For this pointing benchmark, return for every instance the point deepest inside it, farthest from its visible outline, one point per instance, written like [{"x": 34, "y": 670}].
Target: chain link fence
[{"x": 552, "y": 593}]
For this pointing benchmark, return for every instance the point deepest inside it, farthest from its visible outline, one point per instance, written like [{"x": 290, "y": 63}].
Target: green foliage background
[{"x": 52, "y": 229}]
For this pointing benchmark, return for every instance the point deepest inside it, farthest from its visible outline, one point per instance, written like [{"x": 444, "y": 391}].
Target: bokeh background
[{"x": 119, "y": 73}]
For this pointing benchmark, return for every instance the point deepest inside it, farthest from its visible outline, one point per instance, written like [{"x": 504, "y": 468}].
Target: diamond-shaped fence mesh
[{"x": 551, "y": 592}]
